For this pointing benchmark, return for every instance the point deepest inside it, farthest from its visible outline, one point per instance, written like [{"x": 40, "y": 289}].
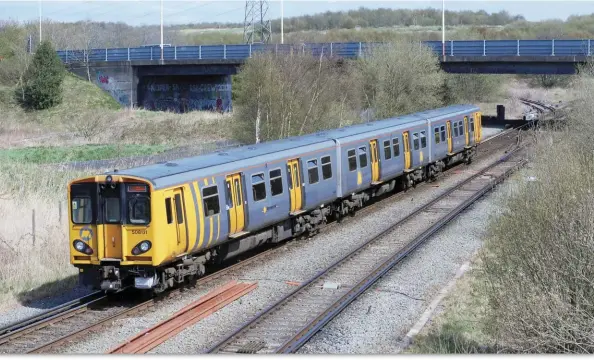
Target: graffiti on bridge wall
[
  {"x": 109, "y": 84},
  {"x": 184, "y": 97}
]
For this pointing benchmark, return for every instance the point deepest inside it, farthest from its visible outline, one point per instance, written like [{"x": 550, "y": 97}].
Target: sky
[{"x": 182, "y": 12}]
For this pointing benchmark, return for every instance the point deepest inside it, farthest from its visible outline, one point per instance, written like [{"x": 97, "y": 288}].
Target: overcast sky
[{"x": 176, "y": 12}]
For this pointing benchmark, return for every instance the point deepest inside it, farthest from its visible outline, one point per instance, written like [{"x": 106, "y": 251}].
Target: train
[{"x": 157, "y": 226}]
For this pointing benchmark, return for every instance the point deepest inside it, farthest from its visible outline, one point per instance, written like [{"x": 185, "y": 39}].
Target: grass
[
  {"x": 458, "y": 328},
  {"x": 54, "y": 154}
]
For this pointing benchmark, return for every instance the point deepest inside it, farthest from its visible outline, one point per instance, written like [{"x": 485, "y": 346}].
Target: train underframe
[{"x": 110, "y": 276}]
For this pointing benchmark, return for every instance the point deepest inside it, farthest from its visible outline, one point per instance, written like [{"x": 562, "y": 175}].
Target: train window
[
  {"x": 210, "y": 196},
  {"x": 326, "y": 168},
  {"x": 472, "y": 124},
  {"x": 363, "y": 156},
  {"x": 387, "y": 150},
  {"x": 82, "y": 211},
  {"x": 416, "y": 141},
  {"x": 423, "y": 140},
  {"x": 436, "y": 135},
  {"x": 139, "y": 210},
  {"x": 352, "y": 160},
  {"x": 312, "y": 171},
  {"x": 112, "y": 210},
  {"x": 461, "y": 127},
  {"x": 276, "y": 182},
  {"x": 258, "y": 187},
  {"x": 178, "y": 209},
  {"x": 168, "y": 210},
  {"x": 443, "y": 137},
  {"x": 238, "y": 193},
  {"x": 455, "y": 129},
  {"x": 396, "y": 147},
  {"x": 228, "y": 195}
]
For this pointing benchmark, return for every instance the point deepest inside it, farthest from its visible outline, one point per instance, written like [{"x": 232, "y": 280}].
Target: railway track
[
  {"x": 70, "y": 321},
  {"x": 289, "y": 323},
  {"x": 45, "y": 332}
]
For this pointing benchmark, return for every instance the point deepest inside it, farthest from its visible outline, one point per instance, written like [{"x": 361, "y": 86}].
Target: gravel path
[{"x": 297, "y": 261}]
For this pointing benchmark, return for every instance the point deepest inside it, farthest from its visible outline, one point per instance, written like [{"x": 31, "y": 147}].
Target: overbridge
[{"x": 184, "y": 78}]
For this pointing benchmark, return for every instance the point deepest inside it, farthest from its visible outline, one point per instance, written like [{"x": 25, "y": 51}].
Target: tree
[{"x": 43, "y": 79}]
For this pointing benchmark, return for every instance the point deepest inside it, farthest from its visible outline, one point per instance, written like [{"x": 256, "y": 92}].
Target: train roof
[{"x": 244, "y": 153}]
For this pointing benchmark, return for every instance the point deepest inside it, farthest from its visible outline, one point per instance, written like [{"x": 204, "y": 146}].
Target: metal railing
[{"x": 241, "y": 52}]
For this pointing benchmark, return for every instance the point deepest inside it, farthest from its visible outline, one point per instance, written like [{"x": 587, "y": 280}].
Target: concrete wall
[
  {"x": 178, "y": 88},
  {"x": 120, "y": 82}
]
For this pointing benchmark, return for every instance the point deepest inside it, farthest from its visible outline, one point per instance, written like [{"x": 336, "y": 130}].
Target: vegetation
[
  {"x": 535, "y": 279},
  {"x": 281, "y": 96},
  {"x": 43, "y": 79}
]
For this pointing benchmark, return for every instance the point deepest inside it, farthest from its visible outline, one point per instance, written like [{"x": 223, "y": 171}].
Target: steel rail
[
  {"x": 311, "y": 329},
  {"x": 142, "y": 306},
  {"x": 237, "y": 333},
  {"x": 11, "y": 328}
]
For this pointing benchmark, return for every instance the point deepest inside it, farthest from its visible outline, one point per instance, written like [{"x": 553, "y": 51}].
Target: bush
[
  {"x": 472, "y": 87},
  {"x": 538, "y": 270},
  {"x": 401, "y": 78},
  {"x": 44, "y": 79},
  {"x": 281, "y": 96}
]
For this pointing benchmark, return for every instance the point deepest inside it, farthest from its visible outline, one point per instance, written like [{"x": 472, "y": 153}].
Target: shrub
[
  {"x": 44, "y": 79},
  {"x": 538, "y": 270},
  {"x": 401, "y": 78},
  {"x": 281, "y": 96}
]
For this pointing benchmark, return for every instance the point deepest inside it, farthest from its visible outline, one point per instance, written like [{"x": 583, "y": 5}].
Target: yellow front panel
[
  {"x": 88, "y": 234},
  {"x": 112, "y": 240}
]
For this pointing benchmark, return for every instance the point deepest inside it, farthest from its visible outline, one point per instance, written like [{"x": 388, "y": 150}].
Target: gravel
[
  {"x": 377, "y": 322},
  {"x": 19, "y": 312},
  {"x": 300, "y": 260}
]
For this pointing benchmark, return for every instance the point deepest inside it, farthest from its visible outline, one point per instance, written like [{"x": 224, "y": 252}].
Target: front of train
[{"x": 111, "y": 239}]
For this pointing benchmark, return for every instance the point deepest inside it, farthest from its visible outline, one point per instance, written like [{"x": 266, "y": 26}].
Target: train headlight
[
  {"x": 79, "y": 246},
  {"x": 142, "y": 247},
  {"x": 82, "y": 247},
  {"x": 145, "y": 246}
]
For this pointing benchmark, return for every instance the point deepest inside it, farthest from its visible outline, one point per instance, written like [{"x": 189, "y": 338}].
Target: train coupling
[{"x": 110, "y": 278}]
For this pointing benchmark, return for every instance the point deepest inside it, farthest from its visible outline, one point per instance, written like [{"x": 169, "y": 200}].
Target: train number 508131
[{"x": 143, "y": 231}]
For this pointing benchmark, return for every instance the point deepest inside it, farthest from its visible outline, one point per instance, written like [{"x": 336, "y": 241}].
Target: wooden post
[{"x": 33, "y": 225}]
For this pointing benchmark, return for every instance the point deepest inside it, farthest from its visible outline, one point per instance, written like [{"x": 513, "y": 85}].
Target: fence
[{"x": 241, "y": 52}]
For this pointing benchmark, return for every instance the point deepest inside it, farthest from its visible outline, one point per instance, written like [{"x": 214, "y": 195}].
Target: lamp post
[
  {"x": 39, "y": 20},
  {"x": 161, "y": 29},
  {"x": 282, "y": 21},
  {"x": 443, "y": 29}
]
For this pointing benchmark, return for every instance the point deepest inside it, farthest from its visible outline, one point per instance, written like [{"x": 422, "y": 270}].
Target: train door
[
  {"x": 375, "y": 171},
  {"x": 449, "y": 134},
  {"x": 111, "y": 229},
  {"x": 466, "y": 133},
  {"x": 406, "y": 146},
  {"x": 236, "y": 204},
  {"x": 478, "y": 127},
  {"x": 179, "y": 218},
  {"x": 295, "y": 184}
]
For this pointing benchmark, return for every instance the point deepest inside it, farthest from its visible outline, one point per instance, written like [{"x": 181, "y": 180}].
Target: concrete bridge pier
[{"x": 175, "y": 86}]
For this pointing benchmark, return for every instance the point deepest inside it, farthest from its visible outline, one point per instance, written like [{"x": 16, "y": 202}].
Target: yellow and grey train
[{"x": 155, "y": 226}]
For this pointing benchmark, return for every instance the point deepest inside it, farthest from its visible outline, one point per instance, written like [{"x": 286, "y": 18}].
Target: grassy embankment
[
  {"x": 88, "y": 125},
  {"x": 530, "y": 290}
]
